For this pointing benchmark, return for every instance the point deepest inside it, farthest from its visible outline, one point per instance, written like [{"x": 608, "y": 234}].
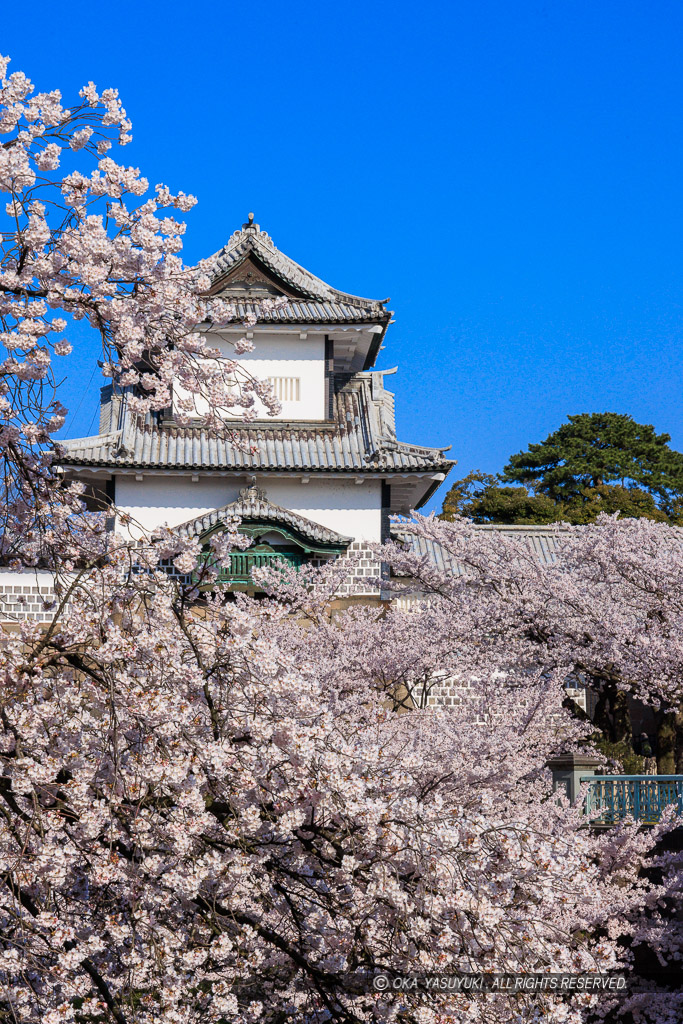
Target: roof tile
[
  {"x": 351, "y": 442},
  {"x": 253, "y": 504}
]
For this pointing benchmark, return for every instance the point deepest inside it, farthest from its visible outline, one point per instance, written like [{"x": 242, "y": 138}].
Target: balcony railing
[
  {"x": 611, "y": 798},
  {"x": 242, "y": 563}
]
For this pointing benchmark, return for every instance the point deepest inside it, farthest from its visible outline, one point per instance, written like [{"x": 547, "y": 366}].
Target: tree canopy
[
  {"x": 595, "y": 449},
  {"x": 596, "y": 463},
  {"x": 481, "y": 498}
]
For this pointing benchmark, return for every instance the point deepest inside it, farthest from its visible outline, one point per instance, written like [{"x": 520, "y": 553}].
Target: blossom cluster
[
  {"x": 85, "y": 238},
  {"x": 220, "y": 809},
  {"x": 215, "y": 811}
]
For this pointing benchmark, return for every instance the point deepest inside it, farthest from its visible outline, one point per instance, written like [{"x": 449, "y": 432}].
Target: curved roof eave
[
  {"x": 250, "y": 238},
  {"x": 253, "y": 505}
]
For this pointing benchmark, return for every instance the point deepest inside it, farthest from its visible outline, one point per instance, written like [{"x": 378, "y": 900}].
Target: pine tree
[
  {"x": 595, "y": 463},
  {"x": 597, "y": 449}
]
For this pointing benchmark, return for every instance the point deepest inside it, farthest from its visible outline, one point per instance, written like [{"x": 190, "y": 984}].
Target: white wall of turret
[
  {"x": 293, "y": 361},
  {"x": 341, "y": 504}
]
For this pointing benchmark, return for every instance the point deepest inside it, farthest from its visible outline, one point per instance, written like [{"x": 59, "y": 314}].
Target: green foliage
[
  {"x": 480, "y": 498},
  {"x": 629, "y": 502},
  {"x": 622, "y": 752},
  {"x": 594, "y": 449},
  {"x": 600, "y": 462}
]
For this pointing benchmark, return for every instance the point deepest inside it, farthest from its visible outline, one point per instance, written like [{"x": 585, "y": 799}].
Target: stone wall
[
  {"x": 362, "y": 578},
  {"x": 26, "y": 595}
]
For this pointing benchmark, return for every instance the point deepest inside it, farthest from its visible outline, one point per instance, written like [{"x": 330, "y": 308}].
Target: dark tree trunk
[
  {"x": 670, "y": 741},
  {"x": 612, "y": 713}
]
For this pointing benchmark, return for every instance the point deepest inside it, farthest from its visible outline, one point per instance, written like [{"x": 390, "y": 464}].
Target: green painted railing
[
  {"x": 611, "y": 798},
  {"x": 242, "y": 563}
]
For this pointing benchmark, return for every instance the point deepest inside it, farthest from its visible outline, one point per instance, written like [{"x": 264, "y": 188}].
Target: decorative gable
[
  {"x": 250, "y": 268},
  {"x": 249, "y": 276},
  {"x": 259, "y": 517},
  {"x": 257, "y": 246}
]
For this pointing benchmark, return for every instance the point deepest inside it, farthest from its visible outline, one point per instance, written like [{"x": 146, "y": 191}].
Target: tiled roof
[
  {"x": 305, "y": 311},
  {"x": 359, "y": 439},
  {"x": 253, "y": 504},
  {"x": 263, "y": 284},
  {"x": 335, "y": 304},
  {"x": 542, "y": 540}
]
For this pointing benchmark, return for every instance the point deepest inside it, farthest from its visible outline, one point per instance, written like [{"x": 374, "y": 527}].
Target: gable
[
  {"x": 251, "y": 277},
  {"x": 276, "y": 269},
  {"x": 258, "y": 516}
]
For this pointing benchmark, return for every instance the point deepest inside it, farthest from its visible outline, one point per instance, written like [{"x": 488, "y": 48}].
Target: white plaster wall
[
  {"x": 158, "y": 500},
  {"x": 282, "y": 355},
  {"x": 26, "y": 595},
  {"x": 351, "y": 509},
  {"x": 348, "y": 508}
]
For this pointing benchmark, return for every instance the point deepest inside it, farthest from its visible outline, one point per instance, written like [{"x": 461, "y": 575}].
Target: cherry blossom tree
[
  {"x": 608, "y": 611},
  {"x": 212, "y": 810},
  {"x": 263, "y": 832},
  {"x": 85, "y": 239},
  {"x": 218, "y": 810}
]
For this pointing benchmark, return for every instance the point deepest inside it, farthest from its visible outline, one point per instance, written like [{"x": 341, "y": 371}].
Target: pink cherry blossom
[{"x": 216, "y": 808}]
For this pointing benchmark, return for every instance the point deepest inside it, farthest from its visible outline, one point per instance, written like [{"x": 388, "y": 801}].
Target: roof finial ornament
[
  {"x": 250, "y": 226},
  {"x": 251, "y": 492}
]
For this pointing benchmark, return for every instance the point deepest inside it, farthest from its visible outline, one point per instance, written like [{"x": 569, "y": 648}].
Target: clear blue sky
[{"x": 509, "y": 173}]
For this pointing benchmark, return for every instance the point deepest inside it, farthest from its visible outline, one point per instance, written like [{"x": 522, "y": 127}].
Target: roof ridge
[
  {"x": 390, "y": 442},
  {"x": 102, "y": 439},
  {"x": 250, "y": 238},
  {"x": 525, "y": 527},
  {"x": 252, "y": 502}
]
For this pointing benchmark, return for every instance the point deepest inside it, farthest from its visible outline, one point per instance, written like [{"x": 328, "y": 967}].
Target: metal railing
[
  {"x": 611, "y": 798},
  {"x": 243, "y": 562}
]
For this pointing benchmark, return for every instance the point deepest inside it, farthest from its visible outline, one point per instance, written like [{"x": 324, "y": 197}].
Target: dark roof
[
  {"x": 543, "y": 541},
  {"x": 253, "y": 505},
  {"x": 251, "y": 243},
  {"x": 360, "y": 438},
  {"x": 263, "y": 284},
  {"x": 306, "y": 311}
]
